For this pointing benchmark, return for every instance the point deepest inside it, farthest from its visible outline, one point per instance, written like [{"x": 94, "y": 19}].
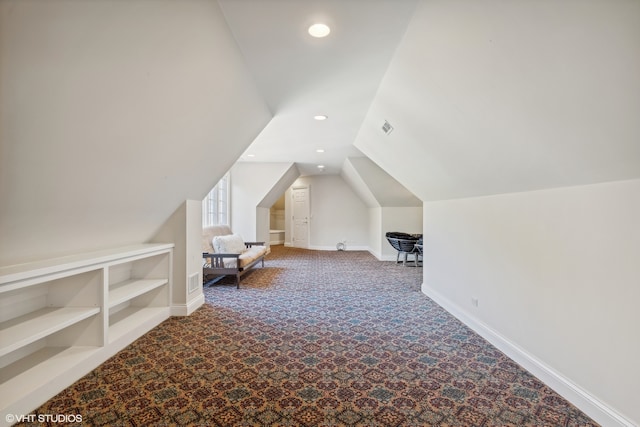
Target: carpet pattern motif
[{"x": 315, "y": 339}]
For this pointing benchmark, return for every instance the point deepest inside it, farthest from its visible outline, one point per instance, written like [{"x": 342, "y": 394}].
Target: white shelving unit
[{"x": 60, "y": 318}]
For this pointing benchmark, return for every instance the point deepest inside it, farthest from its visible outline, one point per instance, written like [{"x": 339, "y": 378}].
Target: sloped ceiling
[
  {"x": 255, "y": 187},
  {"x": 375, "y": 187},
  {"x": 112, "y": 114},
  {"x": 301, "y": 76},
  {"x": 357, "y": 184},
  {"x": 495, "y": 97},
  {"x": 278, "y": 189}
]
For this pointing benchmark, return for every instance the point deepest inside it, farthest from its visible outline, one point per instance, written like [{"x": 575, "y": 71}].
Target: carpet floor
[{"x": 315, "y": 338}]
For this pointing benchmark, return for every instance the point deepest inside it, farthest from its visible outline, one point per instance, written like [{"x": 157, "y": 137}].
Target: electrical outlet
[{"x": 474, "y": 302}]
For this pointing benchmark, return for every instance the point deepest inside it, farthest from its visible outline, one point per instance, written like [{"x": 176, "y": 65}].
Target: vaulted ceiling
[
  {"x": 484, "y": 97},
  {"x": 301, "y": 76}
]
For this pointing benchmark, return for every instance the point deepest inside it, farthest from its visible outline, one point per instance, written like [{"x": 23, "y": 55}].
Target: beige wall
[
  {"x": 107, "y": 113},
  {"x": 493, "y": 97},
  {"x": 405, "y": 219},
  {"x": 555, "y": 273},
  {"x": 254, "y": 188},
  {"x": 503, "y": 98},
  {"x": 337, "y": 214},
  {"x": 184, "y": 229}
]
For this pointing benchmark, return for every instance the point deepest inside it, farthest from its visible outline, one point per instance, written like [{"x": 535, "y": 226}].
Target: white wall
[
  {"x": 112, "y": 114},
  {"x": 490, "y": 97},
  {"x": 385, "y": 219},
  {"x": 252, "y": 193},
  {"x": 404, "y": 219},
  {"x": 497, "y": 97},
  {"x": 556, "y": 274},
  {"x": 337, "y": 213},
  {"x": 184, "y": 229},
  {"x": 375, "y": 186},
  {"x": 391, "y": 206},
  {"x": 359, "y": 183},
  {"x": 375, "y": 230}
]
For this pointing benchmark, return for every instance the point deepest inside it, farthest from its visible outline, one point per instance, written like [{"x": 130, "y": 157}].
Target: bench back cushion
[
  {"x": 208, "y": 233},
  {"x": 229, "y": 244}
]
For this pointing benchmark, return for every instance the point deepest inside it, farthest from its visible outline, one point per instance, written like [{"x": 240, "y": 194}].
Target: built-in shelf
[
  {"x": 26, "y": 329},
  {"x": 125, "y": 291},
  {"x": 18, "y": 378},
  {"x": 121, "y": 322},
  {"x": 60, "y": 318}
]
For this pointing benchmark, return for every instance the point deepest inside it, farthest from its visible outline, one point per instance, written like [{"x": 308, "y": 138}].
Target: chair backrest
[
  {"x": 403, "y": 245},
  {"x": 208, "y": 233},
  {"x": 401, "y": 235}
]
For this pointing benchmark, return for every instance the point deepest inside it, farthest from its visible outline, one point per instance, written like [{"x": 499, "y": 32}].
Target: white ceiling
[{"x": 300, "y": 76}]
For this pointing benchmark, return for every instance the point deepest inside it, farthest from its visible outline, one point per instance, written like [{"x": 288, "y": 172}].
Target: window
[{"x": 215, "y": 207}]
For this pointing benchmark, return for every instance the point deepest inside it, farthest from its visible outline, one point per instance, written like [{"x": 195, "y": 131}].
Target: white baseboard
[
  {"x": 333, "y": 248},
  {"x": 579, "y": 397},
  {"x": 187, "y": 309},
  {"x": 381, "y": 257},
  {"x": 378, "y": 256}
]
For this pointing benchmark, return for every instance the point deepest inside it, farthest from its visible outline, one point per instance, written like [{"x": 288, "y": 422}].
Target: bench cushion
[
  {"x": 247, "y": 257},
  {"x": 252, "y": 254}
]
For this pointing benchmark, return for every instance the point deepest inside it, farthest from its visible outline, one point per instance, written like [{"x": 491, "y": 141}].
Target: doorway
[{"x": 277, "y": 227}]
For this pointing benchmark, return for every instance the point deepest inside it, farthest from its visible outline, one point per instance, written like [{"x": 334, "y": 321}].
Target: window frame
[{"x": 216, "y": 205}]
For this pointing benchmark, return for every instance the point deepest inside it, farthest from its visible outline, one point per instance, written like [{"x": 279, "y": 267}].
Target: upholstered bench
[{"x": 225, "y": 254}]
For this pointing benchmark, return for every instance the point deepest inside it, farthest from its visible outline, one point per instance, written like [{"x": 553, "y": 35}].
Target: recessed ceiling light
[
  {"x": 320, "y": 150},
  {"x": 320, "y": 117},
  {"x": 320, "y": 166},
  {"x": 251, "y": 155},
  {"x": 319, "y": 30}
]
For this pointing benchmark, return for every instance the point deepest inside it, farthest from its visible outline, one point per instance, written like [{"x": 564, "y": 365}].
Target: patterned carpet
[{"x": 315, "y": 339}]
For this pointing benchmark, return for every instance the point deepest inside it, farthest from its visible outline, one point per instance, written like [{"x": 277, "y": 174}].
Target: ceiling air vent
[{"x": 387, "y": 128}]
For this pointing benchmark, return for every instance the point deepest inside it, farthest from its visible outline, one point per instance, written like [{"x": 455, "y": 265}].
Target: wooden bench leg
[{"x": 238, "y": 280}]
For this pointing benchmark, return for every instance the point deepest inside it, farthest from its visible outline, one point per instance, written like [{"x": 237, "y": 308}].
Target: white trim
[
  {"x": 187, "y": 309},
  {"x": 376, "y": 255},
  {"x": 589, "y": 404},
  {"x": 385, "y": 257},
  {"x": 333, "y": 248}
]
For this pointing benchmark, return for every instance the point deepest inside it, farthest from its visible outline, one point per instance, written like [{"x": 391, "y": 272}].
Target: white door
[{"x": 300, "y": 238}]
